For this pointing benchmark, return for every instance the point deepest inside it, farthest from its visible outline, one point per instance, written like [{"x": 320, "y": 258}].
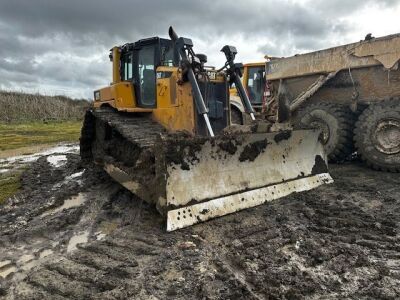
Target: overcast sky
[{"x": 61, "y": 46}]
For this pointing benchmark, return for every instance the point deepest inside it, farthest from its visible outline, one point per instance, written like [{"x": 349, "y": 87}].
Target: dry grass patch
[{"x": 14, "y": 136}]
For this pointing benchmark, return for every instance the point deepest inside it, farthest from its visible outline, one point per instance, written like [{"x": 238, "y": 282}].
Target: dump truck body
[
  {"x": 369, "y": 67},
  {"x": 350, "y": 92}
]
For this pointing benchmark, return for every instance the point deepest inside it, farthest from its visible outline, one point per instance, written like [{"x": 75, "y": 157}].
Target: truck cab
[{"x": 253, "y": 78}]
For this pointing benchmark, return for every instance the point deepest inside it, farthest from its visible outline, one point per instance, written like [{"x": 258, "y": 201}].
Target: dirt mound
[{"x": 337, "y": 241}]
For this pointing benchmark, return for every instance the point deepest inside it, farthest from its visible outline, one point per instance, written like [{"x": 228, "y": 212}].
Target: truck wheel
[
  {"x": 335, "y": 122},
  {"x": 377, "y": 135},
  {"x": 236, "y": 116}
]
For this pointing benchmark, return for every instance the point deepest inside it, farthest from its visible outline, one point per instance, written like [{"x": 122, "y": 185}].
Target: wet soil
[
  {"x": 337, "y": 241},
  {"x": 282, "y": 136},
  {"x": 251, "y": 151},
  {"x": 320, "y": 166}
]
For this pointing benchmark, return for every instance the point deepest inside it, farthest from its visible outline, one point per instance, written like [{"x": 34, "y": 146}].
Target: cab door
[{"x": 146, "y": 76}]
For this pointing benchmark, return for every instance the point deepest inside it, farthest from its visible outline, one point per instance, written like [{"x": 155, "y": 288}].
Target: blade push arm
[
  {"x": 183, "y": 45},
  {"x": 235, "y": 74}
]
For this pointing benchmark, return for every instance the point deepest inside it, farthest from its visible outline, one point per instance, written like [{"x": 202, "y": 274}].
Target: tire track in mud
[
  {"x": 226, "y": 265},
  {"x": 91, "y": 272},
  {"x": 336, "y": 241},
  {"x": 47, "y": 221},
  {"x": 106, "y": 269},
  {"x": 325, "y": 242},
  {"x": 98, "y": 270}
]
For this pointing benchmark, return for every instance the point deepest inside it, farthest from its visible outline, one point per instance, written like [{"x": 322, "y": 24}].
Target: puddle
[
  {"x": 4, "y": 263},
  {"x": 73, "y": 176},
  {"x": 77, "y": 239},
  {"x": 25, "y": 263},
  {"x": 5, "y": 271},
  {"x": 69, "y": 178},
  {"x": 29, "y": 265},
  {"x": 373, "y": 204},
  {"x": 25, "y": 258},
  {"x": 45, "y": 253},
  {"x": 6, "y": 268},
  {"x": 75, "y": 201},
  {"x": 57, "y": 160},
  {"x": 24, "y": 159},
  {"x": 100, "y": 235}
]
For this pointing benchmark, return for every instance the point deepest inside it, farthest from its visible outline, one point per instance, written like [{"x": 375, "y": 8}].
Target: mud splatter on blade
[{"x": 208, "y": 178}]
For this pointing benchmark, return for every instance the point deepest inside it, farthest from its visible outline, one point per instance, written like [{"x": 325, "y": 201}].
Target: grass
[
  {"x": 9, "y": 185},
  {"x": 17, "y": 139},
  {"x": 14, "y": 136}
]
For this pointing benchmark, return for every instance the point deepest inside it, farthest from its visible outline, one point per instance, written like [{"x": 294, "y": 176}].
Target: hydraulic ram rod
[
  {"x": 230, "y": 53},
  {"x": 198, "y": 97},
  {"x": 243, "y": 96}
]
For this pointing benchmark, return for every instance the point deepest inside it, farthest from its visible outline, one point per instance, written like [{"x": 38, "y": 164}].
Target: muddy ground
[{"x": 74, "y": 234}]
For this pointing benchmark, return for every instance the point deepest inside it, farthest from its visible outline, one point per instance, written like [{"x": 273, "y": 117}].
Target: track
[
  {"x": 141, "y": 130},
  {"x": 123, "y": 141},
  {"x": 115, "y": 133},
  {"x": 338, "y": 241}
]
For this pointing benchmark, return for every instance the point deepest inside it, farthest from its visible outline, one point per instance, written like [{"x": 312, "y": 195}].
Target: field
[
  {"x": 73, "y": 233},
  {"x": 30, "y": 123},
  {"x": 25, "y": 139},
  {"x": 16, "y": 136}
]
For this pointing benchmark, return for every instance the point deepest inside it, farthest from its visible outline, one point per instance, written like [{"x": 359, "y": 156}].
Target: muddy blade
[{"x": 208, "y": 178}]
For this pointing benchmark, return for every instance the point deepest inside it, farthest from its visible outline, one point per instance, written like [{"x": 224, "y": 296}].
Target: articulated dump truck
[
  {"x": 351, "y": 93},
  {"x": 162, "y": 130}
]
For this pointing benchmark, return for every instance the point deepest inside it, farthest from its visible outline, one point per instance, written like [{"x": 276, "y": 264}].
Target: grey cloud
[
  {"x": 346, "y": 7},
  {"x": 126, "y": 19},
  {"x": 65, "y": 43}
]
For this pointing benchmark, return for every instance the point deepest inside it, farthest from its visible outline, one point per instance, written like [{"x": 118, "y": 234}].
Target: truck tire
[
  {"x": 236, "y": 116},
  {"x": 377, "y": 135},
  {"x": 336, "y": 123}
]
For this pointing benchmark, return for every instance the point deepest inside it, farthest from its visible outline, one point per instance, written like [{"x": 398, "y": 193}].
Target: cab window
[
  {"x": 255, "y": 83},
  {"x": 167, "y": 56},
  {"x": 127, "y": 67},
  {"x": 147, "y": 76}
]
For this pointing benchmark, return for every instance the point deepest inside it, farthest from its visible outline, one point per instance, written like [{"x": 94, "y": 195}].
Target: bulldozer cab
[
  {"x": 152, "y": 76},
  {"x": 138, "y": 65}
]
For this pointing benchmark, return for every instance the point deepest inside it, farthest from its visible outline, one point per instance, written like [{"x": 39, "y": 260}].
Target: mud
[
  {"x": 319, "y": 166},
  {"x": 251, "y": 151},
  {"x": 282, "y": 136},
  {"x": 182, "y": 151},
  {"x": 229, "y": 146},
  {"x": 338, "y": 241}
]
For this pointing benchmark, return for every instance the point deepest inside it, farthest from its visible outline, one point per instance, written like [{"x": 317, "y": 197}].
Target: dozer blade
[
  {"x": 194, "y": 179},
  {"x": 207, "y": 178}
]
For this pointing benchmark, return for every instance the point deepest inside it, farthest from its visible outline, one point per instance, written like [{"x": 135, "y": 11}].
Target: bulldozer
[{"x": 162, "y": 129}]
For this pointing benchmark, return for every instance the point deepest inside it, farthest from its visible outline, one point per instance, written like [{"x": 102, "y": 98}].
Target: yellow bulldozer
[{"x": 162, "y": 130}]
